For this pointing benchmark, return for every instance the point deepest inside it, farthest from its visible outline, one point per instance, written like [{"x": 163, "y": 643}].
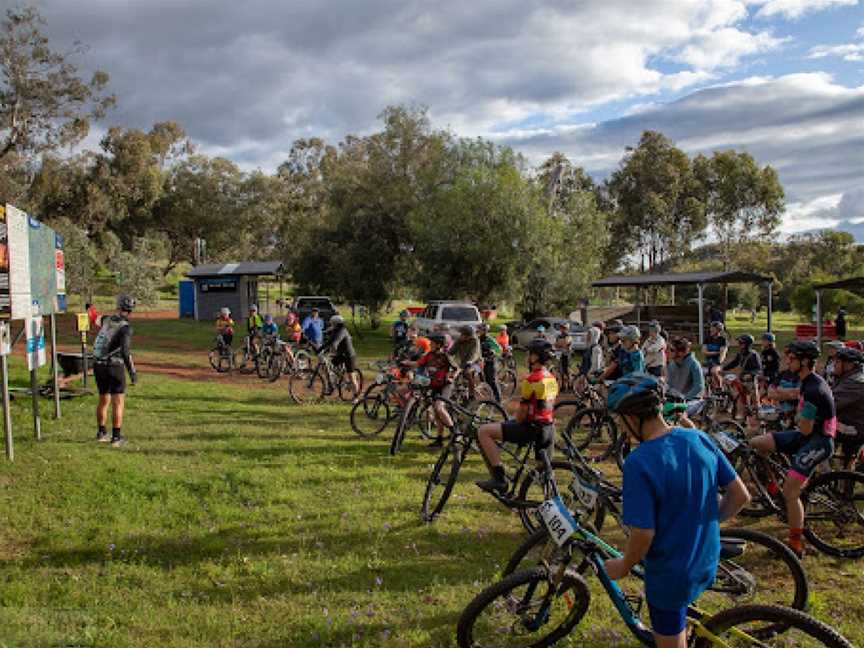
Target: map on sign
[{"x": 47, "y": 272}]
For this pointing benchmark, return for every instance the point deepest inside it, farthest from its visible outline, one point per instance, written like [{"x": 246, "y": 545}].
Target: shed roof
[
  {"x": 679, "y": 278},
  {"x": 852, "y": 282},
  {"x": 251, "y": 268}
]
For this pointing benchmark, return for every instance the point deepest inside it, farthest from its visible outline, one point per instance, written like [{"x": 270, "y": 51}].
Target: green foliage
[
  {"x": 82, "y": 259},
  {"x": 134, "y": 271}
]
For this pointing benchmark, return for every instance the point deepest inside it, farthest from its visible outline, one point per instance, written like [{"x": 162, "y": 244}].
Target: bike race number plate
[
  {"x": 585, "y": 493},
  {"x": 557, "y": 519},
  {"x": 725, "y": 441}
]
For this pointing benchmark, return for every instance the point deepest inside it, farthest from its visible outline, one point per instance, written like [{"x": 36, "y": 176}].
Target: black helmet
[
  {"x": 540, "y": 347},
  {"x": 125, "y": 303},
  {"x": 746, "y": 339},
  {"x": 805, "y": 349},
  {"x": 466, "y": 330},
  {"x": 637, "y": 394},
  {"x": 850, "y": 355},
  {"x": 438, "y": 338},
  {"x": 717, "y": 324}
]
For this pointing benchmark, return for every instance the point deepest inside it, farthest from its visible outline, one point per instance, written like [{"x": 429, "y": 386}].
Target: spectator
[
  {"x": 655, "y": 350},
  {"x": 840, "y": 324},
  {"x": 92, "y": 315},
  {"x": 313, "y": 329}
]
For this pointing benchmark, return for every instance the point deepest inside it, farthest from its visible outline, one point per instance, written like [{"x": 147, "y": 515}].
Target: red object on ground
[
  {"x": 414, "y": 311},
  {"x": 488, "y": 314},
  {"x": 808, "y": 331}
]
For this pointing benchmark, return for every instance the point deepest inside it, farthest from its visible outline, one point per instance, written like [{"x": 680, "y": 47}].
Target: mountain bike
[
  {"x": 246, "y": 357},
  {"x": 281, "y": 360},
  {"x": 221, "y": 356},
  {"x": 312, "y": 385},
  {"x": 508, "y": 381},
  {"x": 542, "y": 605},
  {"x": 539, "y": 472},
  {"x": 380, "y": 405},
  {"x": 833, "y": 500}
]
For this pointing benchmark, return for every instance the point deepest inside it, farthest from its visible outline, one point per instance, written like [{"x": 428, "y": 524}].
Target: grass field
[{"x": 234, "y": 518}]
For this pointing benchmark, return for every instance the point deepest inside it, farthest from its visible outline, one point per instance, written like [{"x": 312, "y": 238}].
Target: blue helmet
[
  {"x": 637, "y": 394},
  {"x": 768, "y": 336}
]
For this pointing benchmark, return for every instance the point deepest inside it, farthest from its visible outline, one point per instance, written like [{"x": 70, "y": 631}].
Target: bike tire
[
  {"x": 220, "y": 362},
  {"x": 262, "y": 367},
  {"x": 307, "y": 387},
  {"x": 594, "y": 433},
  {"x": 275, "y": 367},
  {"x": 347, "y": 393},
  {"x": 835, "y": 494},
  {"x": 370, "y": 415},
  {"x": 507, "y": 383},
  {"x": 404, "y": 423},
  {"x": 526, "y": 515},
  {"x": 444, "y": 473},
  {"x": 734, "y": 628},
  {"x": 572, "y": 593}
]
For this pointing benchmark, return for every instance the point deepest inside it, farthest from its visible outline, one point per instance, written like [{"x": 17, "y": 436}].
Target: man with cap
[
  {"x": 313, "y": 329},
  {"x": 828, "y": 370},
  {"x": 848, "y": 393},
  {"x": 654, "y": 350}
]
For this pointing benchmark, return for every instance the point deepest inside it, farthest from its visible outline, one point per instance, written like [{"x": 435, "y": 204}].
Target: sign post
[
  {"x": 5, "y": 349},
  {"x": 83, "y": 322},
  {"x": 35, "y": 359},
  {"x": 54, "y": 366}
]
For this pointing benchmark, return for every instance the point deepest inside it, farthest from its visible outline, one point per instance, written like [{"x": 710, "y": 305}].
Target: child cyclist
[
  {"x": 225, "y": 327},
  {"x": 535, "y": 420},
  {"x": 440, "y": 369},
  {"x": 671, "y": 506}
]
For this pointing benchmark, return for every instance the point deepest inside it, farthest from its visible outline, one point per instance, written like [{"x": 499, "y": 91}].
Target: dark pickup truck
[{"x": 303, "y": 306}]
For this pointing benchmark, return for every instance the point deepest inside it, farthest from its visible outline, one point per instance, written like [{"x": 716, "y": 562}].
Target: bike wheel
[
  {"x": 275, "y": 367},
  {"x": 531, "y": 492},
  {"x": 347, "y": 391},
  {"x": 220, "y": 361},
  {"x": 594, "y": 434},
  {"x": 756, "y": 473},
  {"x": 442, "y": 480},
  {"x": 405, "y": 421},
  {"x": 507, "y": 383},
  {"x": 307, "y": 387},
  {"x": 241, "y": 360},
  {"x": 739, "y": 626},
  {"x": 834, "y": 513},
  {"x": 488, "y": 411},
  {"x": 529, "y": 553},
  {"x": 302, "y": 360},
  {"x": 524, "y": 609},
  {"x": 370, "y": 415},
  {"x": 262, "y": 367},
  {"x": 425, "y": 418},
  {"x": 755, "y": 568}
]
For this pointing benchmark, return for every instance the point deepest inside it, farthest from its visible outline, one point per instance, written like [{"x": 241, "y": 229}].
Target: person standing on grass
[
  {"x": 672, "y": 506},
  {"x": 840, "y": 324},
  {"x": 111, "y": 354},
  {"x": 92, "y": 315}
]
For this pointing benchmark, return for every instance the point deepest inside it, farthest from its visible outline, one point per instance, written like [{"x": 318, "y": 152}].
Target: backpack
[{"x": 111, "y": 326}]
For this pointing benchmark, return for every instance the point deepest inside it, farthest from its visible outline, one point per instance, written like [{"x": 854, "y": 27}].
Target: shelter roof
[
  {"x": 249, "y": 268},
  {"x": 680, "y": 278}
]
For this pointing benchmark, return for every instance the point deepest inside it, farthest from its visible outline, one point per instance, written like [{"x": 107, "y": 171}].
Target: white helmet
[
  {"x": 225, "y": 311},
  {"x": 631, "y": 333},
  {"x": 253, "y": 307}
]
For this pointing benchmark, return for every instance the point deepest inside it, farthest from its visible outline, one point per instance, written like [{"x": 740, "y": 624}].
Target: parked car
[
  {"x": 578, "y": 333},
  {"x": 303, "y": 306},
  {"x": 450, "y": 314}
]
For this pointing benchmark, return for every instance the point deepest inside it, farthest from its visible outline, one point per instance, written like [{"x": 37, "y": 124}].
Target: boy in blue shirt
[
  {"x": 313, "y": 329},
  {"x": 671, "y": 485}
]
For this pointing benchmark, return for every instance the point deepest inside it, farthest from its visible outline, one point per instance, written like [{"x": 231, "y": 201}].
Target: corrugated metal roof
[
  {"x": 670, "y": 279},
  {"x": 252, "y": 268},
  {"x": 852, "y": 282}
]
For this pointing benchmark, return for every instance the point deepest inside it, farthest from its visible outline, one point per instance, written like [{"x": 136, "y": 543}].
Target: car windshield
[{"x": 459, "y": 314}]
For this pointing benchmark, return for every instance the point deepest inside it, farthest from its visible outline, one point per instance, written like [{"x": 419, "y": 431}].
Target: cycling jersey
[
  {"x": 817, "y": 405},
  {"x": 225, "y": 325},
  {"x": 438, "y": 367},
  {"x": 112, "y": 345},
  {"x": 313, "y": 329},
  {"x": 270, "y": 329},
  {"x": 293, "y": 331},
  {"x": 341, "y": 343},
  {"x": 503, "y": 340},
  {"x": 749, "y": 361},
  {"x": 254, "y": 323},
  {"x": 489, "y": 348},
  {"x": 400, "y": 332},
  {"x": 715, "y": 344},
  {"x": 631, "y": 361},
  {"x": 770, "y": 364},
  {"x": 539, "y": 390}
]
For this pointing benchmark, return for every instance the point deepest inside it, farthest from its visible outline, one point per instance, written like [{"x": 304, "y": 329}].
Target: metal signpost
[{"x": 5, "y": 350}]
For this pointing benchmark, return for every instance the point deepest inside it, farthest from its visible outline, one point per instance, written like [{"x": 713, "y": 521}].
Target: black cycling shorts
[
  {"x": 110, "y": 377},
  {"x": 349, "y": 363},
  {"x": 542, "y": 436}
]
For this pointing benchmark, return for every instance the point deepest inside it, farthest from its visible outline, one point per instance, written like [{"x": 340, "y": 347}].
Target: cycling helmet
[
  {"x": 542, "y": 348},
  {"x": 336, "y": 320},
  {"x": 681, "y": 344},
  {"x": 718, "y": 325},
  {"x": 654, "y": 325},
  {"x": 268, "y": 318},
  {"x": 438, "y": 338},
  {"x": 541, "y": 329},
  {"x": 125, "y": 303},
  {"x": 768, "y": 336},
  {"x": 466, "y": 330},
  {"x": 403, "y": 313},
  {"x": 631, "y": 333},
  {"x": 636, "y": 394},
  {"x": 225, "y": 312},
  {"x": 746, "y": 339},
  {"x": 806, "y": 349},
  {"x": 850, "y": 355},
  {"x": 502, "y": 327},
  {"x": 617, "y": 322},
  {"x": 614, "y": 328},
  {"x": 253, "y": 307}
]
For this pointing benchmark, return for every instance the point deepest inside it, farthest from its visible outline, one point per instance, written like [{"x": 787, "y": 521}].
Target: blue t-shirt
[
  {"x": 671, "y": 485},
  {"x": 313, "y": 329},
  {"x": 400, "y": 331},
  {"x": 632, "y": 362}
]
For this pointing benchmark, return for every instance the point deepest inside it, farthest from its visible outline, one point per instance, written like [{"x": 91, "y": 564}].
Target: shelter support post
[
  {"x": 672, "y": 293},
  {"x": 700, "y": 288},
  {"x": 819, "y": 318},
  {"x": 34, "y": 395},
  {"x": 770, "y": 305},
  {"x": 7, "y": 414},
  {"x": 54, "y": 378}
]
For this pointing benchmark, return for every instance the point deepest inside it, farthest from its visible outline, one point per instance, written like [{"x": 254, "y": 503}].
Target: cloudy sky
[{"x": 783, "y": 79}]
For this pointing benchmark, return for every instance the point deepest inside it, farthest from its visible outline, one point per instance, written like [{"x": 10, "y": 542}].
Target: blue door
[{"x": 186, "y": 292}]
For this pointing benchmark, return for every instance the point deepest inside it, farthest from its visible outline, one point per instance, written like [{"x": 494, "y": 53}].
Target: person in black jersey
[
  {"x": 770, "y": 358},
  {"x": 111, "y": 355},
  {"x": 340, "y": 344}
]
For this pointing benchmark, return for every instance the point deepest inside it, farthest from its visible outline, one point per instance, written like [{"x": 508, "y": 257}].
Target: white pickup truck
[{"x": 451, "y": 314}]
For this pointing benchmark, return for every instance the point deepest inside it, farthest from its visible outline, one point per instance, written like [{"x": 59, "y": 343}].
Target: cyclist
[
  {"x": 671, "y": 506},
  {"x": 629, "y": 358},
  {"x": 612, "y": 360},
  {"x": 714, "y": 350},
  {"x": 440, "y": 370},
  {"x": 417, "y": 346},
  {"x": 535, "y": 420},
  {"x": 684, "y": 375},
  {"x": 489, "y": 350},
  {"x": 225, "y": 327},
  {"x": 828, "y": 370},
  {"x": 254, "y": 324},
  {"x": 563, "y": 342},
  {"x": 313, "y": 329},
  {"x": 399, "y": 330},
  {"x": 465, "y": 354},
  {"x": 269, "y": 329},
  {"x": 444, "y": 330},
  {"x": 848, "y": 393},
  {"x": 808, "y": 446},
  {"x": 293, "y": 331},
  {"x": 785, "y": 391},
  {"x": 340, "y": 343},
  {"x": 111, "y": 352},
  {"x": 770, "y": 357},
  {"x": 749, "y": 365},
  {"x": 503, "y": 338},
  {"x": 655, "y": 350}
]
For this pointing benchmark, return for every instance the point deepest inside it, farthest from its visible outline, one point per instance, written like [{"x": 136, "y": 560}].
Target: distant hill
[{"x": 855, "y": 229}]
